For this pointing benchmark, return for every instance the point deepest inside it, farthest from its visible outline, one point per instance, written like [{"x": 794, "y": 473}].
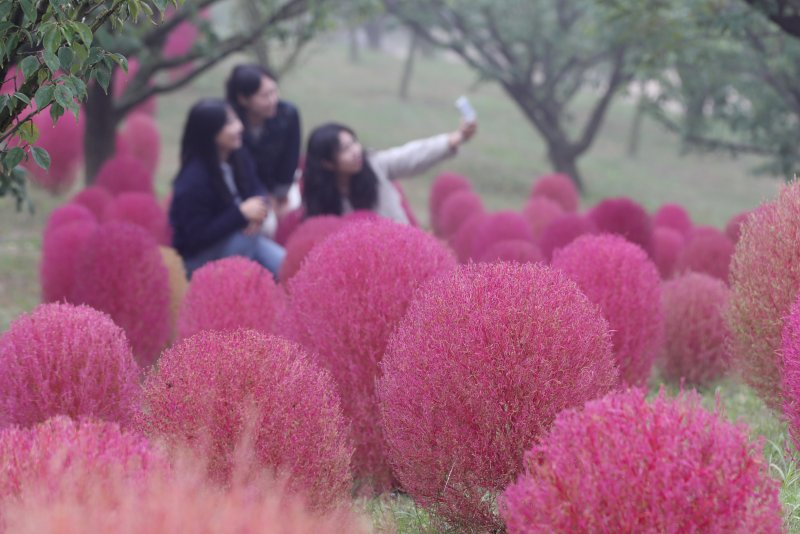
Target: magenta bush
[
  {"x": 500, "y": 226},
  {"x": 215, "y": 390},
  {"x": 66, "y": 360},
  {"x": 541, "y": 211},
  {"x": 124, "y": 173},
  {"x": 623, "y": 216},
  {"x": 95, "y": 199},
  {"x": 733, "y": 228},
  {"x": 120, "y": 84},
  {"x": 476, "y": 371},
  {"x": 675, "y": 217},
  {"x": 311, "y": 232},
  {"x": 120, "y": 272},
  {"x": 563, "y": 231},
  {"x": 456, "y": 209},
  {"x": 287, "y": 225},
  {"x": 790, "y": 357},
  {"x": 707, "y": 250},
  {"x": 695, "y": 348},
  {"x": 61, "y": 249},
  {"x": 442, "y": 187},
  {"x": 64, "y": 143},
  {"x": 141, "y": 139},
  {"x": 228, "y": 294},
  {"x": 625, "y": 465},
  {"x": 667, "y": 246},
  {"x": 558, "y": 187},
  {"x": 65, "y": 214},
  {"x": 512, "y": 250},
  {"x": 345, "y": 301},
  {"x": 143, "y": 210},
  {"x": 461, "y": 241},
  {"x": 619, "y": 277}
]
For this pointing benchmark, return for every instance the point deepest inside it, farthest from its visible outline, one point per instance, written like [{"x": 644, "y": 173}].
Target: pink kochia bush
[
  {"x": 311, "y": 232},
  {"x": 623, "y": 465},
  {"x": 558, "y": 187},
  {"x": 95, "y": 199},
  {"x": 619, "y": 277},
  {"x": 61, "y": 249},
  {"x": 124, "y": 173},
  {"x": 288, "y": 224},
  {"x": 461, "y": 241},
  {"x": 218, "y": 393},
  {"x": 673, "y": 216},
  {"x": 64, "y": 143},
  {"x": 563, "y": 231},
  {"x": 474, "y": 374},
  {"x": 541, "y": 211},
  {"x": 228, "y": 294},
  {"x": 141, "y": 209},
  {"x": 68, "y": 213},
  {"x": 500, "y": 226},
  {"x": 624, "y": 217},
  {"x": 733, "y": 228},
  {"x": 442, "y": 187},
  {"x": 66, "y": 360},
  {"x": 140, "y": 138},
  {"x": 121, "y": 273},
  {"x": 695, "y": 332},
  {"x": 790, "y": 354},
  {"x": 345, "y": 301},
  {"x": 512, "y": 250},
  {"x": 456, "y": 209},
  {"x": 707, "y": 250},
  {"x": 667, "y": 246}
]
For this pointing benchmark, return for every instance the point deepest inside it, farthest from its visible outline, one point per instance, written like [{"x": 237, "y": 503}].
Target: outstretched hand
[{"x": 463, "y": 134}]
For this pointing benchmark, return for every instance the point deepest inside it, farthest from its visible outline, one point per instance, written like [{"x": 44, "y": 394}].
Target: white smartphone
[{"x": 466, "y": 109}]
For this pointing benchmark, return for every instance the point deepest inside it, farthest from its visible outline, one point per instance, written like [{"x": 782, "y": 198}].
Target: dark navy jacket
[
  {"x": 202, "y": 211},
  {"x": 277, "y": 150}
]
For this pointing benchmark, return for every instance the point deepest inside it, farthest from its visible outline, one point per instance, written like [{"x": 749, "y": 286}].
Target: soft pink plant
[
  {"x": 733, "y": 228},
  {"x": 563, "y": 231},
  {"x": 124, "y": 173},
  {"x": 707, "y": 250},
  {"x": 623, "y": 465},
  {"x": 461, "y": 241},
  {"x": 143, "y": 210},
  {"x": 140, "y": 138},
  {"x": 94, "y": 198},
  {"x": 345, "y": 301},
  {"x": 287, "y": 224},
  {"x": 475, "y": 373},
  {"x": 456, "y": 209},
  {"x": 65, "y": 214},
  {"x": 64, "y": 143},
  {"x": 121, "y": 273},
  {"x": 541, "y": 211},
  {"x": 558, "y": 187},
  {"x": 311, "y": 232},
  {"x": 624, "y": 217},
  {"x": 695, "y": 332},
  {"x": 667, "y": 246},
  {"x": 500, "y": 226},
  {"x": 214, "y": 390},
  {"x": 61, "y": 249},
  {"x": 228, "y": 294},
  {"x": 517, "y": 250},
  {"x": 790, "y": 357},
  {"x": 618, "y": 277},
  {"x": 120, "y": 85},
  {"x": 442, "y": 187},
  {"x": 673, "y": 216}
]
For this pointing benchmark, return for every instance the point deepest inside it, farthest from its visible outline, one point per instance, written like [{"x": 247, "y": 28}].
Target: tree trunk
[
  {"x": 374, "y": 30},
  {"x": 408, "y": 68},
  {"x": 636, "y": 129},
  {"x": 352, "y": 37},
  {"x": 564, "y": 160},
  {"x": 101, "y": 130}
]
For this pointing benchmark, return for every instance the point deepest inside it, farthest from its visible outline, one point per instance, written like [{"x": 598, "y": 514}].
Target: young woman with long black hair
[
  {"x": 339, "y": 177},
  {"x": 218, "y": 206}
]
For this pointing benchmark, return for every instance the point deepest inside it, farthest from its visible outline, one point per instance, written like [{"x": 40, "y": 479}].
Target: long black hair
[
  {"x": 245, "y": 80},
  {"x": 321, "y": 194},
  {"x": 206, "y": 119}
]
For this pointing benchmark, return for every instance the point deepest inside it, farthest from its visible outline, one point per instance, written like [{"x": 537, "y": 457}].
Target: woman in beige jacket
[{"x": 339, "y": 177}]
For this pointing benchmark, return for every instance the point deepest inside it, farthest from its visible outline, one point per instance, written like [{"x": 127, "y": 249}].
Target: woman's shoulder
[{"x": 195, "y": 169}]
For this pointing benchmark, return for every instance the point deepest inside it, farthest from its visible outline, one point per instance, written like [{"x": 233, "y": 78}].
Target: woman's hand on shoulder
[{"x": 463, "y": 134}]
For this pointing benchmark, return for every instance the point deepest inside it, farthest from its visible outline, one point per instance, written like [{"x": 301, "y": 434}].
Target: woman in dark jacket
[{"x": 218, "y": 206}]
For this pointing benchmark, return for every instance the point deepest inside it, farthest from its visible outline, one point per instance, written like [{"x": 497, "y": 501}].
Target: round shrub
[
  {"x": 500, "y": 226},
  {"x": 61, "y": 249},
  {"x": 667, "y": 246},
  {"x": 541, "y": 211},
  {"x": 456, "y": 209},
  {"x": 461, "y": 241},
  {"x": 66, "y": 360},
  {"x": 124, "y": 173},
  {"x": 675, "y": 217},
  {"x": 625, "y": 465},
  {"x": 287, "y": 225},
  {"x": 64, "y": 143},
  {"x": 476, "y": 371},
  {"x": 345, "y": 301},
  {"x": 790, "y": 355},
  {"x": 733, "y": 228},
  {"x": 512, "y": 250},
  {"x": 624, "y": 217},
  {"x": 177, "y": 285},
  {"x": 619, "y": 277},
  {"x": 558, "y": 187},
  {"x": 307, "y": 235},
  {"x": 764, "y": 279},
  {"x": 140, "y": 138},
  {"x": 121, "y": 273},
  {"x": 120, "y": 84},
  {"x": 228, "y": 294},
  {"x": 95, "y": 199},
  {"x": 65, "y": 214},
  {"x": 141, "y": 209},
  {"x": 707, "y": 250},
  {"x": 695, "y": 330},
  {"x": 442, "y": 187},
  {"x": 217, "y": 392},
  {"x": 563, "y": 231}
]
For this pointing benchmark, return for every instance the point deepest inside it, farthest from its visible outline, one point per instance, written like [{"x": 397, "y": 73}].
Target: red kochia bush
[
  {"x": 500, "y": 226},
  {"x": 541, "y": 211},
  {"x": 461, "y": 241},
  {"x": 66, "y": 360},
  {"x": 673, "y": 216},
  {"x": 64, "y": 143},
  {"x": 345, "y": 301},
  {"x": 143, "y": 210},
  {"x": 215, "y": 390},
  {"x": 695, "y": 330},
  {"x": 442, "y": 187},
  {"x": 624, "y": 217},
  {"x": 707, "y": 250},
  {"x": 94, "y": 198},
  {"x": 61, "y": 249},
  {"x": 140, "y": 138},
  {"x": 512, "y": 250},
  {"x": 619, "y": 277},
  {"x": 287, "y": 225},
  {"x": 124, "y": 173},
  {"x": 474, "y": 374},
  {"x": 733, "y": 228},
  {"x": 120, "y": 83},
  {"x": 790, "y": 355},
  {"x": 228, "y": 294},
  {"x": 121, "y": 273},
  {"x": 558, "y": 187},
  {"x": 563, "y": 231},
  {"x": 667, "y": 246},
  {"x": 68, "y": 213},
  {"x": 623, "y": 465},
  {"x": 456, "y": 209},
  {"x": 311, "y": 232}
]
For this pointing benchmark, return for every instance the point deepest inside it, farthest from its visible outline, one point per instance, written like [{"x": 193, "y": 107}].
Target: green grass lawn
[{"x": 502, "y": 161}]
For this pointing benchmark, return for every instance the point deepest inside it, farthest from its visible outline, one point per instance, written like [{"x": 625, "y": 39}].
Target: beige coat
[{"x": 404, "y": 161}]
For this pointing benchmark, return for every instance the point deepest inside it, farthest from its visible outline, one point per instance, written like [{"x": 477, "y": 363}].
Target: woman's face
[
  {"x": 262, "y": 104},
  {"x": 229, "y": 137},
  {"x": 350, "y": 156}
]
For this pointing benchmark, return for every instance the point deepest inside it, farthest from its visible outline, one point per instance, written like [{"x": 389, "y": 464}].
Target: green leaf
[
  {"x": 103, "y": 76},
  {"x": 95, "y": 56},
  {"x": 84, "y": 31},
  {"x": 51, "y": 60},
  {"x": 13, "y": 157},
  {"x": 3, "y": 102},
  {"x": 22, "y": 97},
  {"x": 5, "y": 10},
  {"x": 29, "y": 65},
  {"x": 120, "y": 60},
  {"x": 65, "y": 57},
  {"x": 56, "y": 111},
  {"x": 160, "y": 4},
  {"x": 52, "y": 38},
  {"x": 41, "y": 157},
  {"x": 64, "y": 96},
  {"x": 29, "y": 9},
  {"x": 28, "y": 132}
]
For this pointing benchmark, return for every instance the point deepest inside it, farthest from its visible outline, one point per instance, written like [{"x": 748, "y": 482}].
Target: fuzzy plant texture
[
  {"x": 618, "y": 277},
  {"x": 500, "y": 226},
  {"x": 456, "y": 209},
  {"x": 94, "y": 198},
  {"x": 541, "y": 211},
  {"x": 625, "y": 465},
  {"x": 707, "y": 250},
  {"x": 733, "y": 228},
  {"x": 764, "y": 280},
  {"x": 444, "y": 185},
  {"x": 68, "y": 360},
  {"x": 790, "y": 355},
  {"x": 178, "y": 285},
  {"x": 124, "y": 173},
  {"x": 517, "y": 250},
  {"x": 311, "y": 232},
  {"x": 564, "y": 230},
  {"x": 61, "y": 249},
  {"x": 461, "y": 241},
  {"x": 140, "y": 138},
  {"x": 141, "y": 209},
  {"x": 558, "y": 187},
  {"x": 674, "y": 217},
  {"x": 366, "y": 274},
  {"x": 624, "y": 217},
  {"x": 225, "y": 394},
  {"x": 667, "y": 246},
  {"x": 476, "y": 372},
  {"x": 65, "y": 214},
  {"x": 64, "y": 143}
]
